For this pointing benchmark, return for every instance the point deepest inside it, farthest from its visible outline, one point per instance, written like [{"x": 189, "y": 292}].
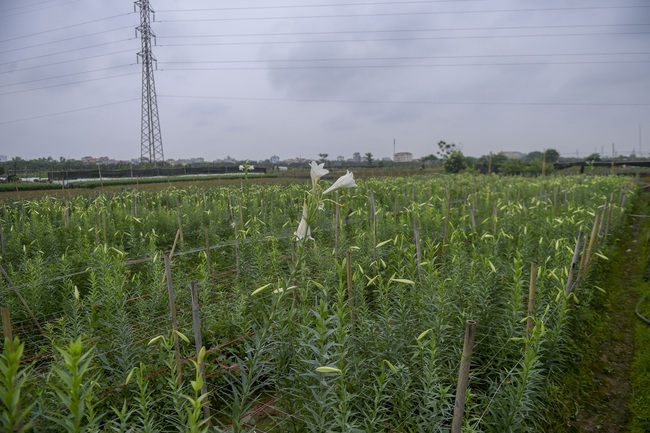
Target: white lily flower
[
  {"x": 303, "y": 228},
  {"x": 241, "y": 168},
  {"x": 345, "y": 181},
  {"x": 317, "y": 171},
  {"x": 251, "y": 167}
]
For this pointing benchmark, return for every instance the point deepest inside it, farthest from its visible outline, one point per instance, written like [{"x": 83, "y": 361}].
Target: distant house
[
  {"x": 275, "y": 159},
  {"x": 356, "y": 157},
  {"x": 513, "y": 154},
  {"x": 403, "y": 157}
]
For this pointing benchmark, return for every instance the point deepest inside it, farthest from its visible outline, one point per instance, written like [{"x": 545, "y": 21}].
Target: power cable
[
  {"x": 11, "y": 14},
  {"x": 261, "y": 68},
  {"x": 403, "y": 30},
  {"x": 70, "y": 111},
  {"x": 404, "y": 39},
  {"x": 66, "y": 75},
  {"x": 67, "y": 51},
  {"x": 316, "y": 5},
  {"x": 66, "y": 39},
  {"x": 67, "y": 27},
  {"x": 343, "y": 101},
  {"x": 394, "y": 14},
  {"x": 64, "y": 84},
  {"x": 335, "y": 59},
  {"x": 65, "y": 61}
]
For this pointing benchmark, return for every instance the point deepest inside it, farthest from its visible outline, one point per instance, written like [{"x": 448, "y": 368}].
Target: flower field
[{"x": 339, "y": 309}]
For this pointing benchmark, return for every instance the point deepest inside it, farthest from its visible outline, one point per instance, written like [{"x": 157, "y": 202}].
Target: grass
[{"x": 607, "y": 383}]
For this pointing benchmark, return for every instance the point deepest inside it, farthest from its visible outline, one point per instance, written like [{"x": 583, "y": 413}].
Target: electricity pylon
[{"x": 151, "y": 148}]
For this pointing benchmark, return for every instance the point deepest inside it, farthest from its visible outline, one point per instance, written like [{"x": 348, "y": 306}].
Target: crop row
[{"x": 298, "y": 340}]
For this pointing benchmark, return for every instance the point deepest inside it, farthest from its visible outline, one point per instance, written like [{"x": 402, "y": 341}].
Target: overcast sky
[{"x": 295, "y": 78}]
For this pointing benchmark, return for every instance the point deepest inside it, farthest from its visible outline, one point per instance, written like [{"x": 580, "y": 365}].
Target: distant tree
[
  {"x": 429, "y": 159},
  {"x": 323, "y": 156},
  {"x": 369, "y": 158},
  {"x": 552, "y": 156},
  {"x": 445, "y": 149},
  {"x": 454, "y": 162},
  {"x": 533, "y": 156},
  {"x": 513, "y": 167},
  {"x": 593, "y": 157}
]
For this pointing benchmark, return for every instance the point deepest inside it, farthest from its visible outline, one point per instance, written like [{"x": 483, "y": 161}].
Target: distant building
[
  {"x": 403, "y": 157},
  {"x": 356, "y": 157},
  {"x": 386, "y": 159},
  {"x": 275, "y": 159},
  {"x": 513, "y": 154}
]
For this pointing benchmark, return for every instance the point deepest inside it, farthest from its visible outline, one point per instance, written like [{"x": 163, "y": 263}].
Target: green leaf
[{"x": 328, "y": 370}]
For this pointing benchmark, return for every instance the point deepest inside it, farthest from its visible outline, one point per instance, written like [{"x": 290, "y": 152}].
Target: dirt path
[{"x": 604, "y": 405}]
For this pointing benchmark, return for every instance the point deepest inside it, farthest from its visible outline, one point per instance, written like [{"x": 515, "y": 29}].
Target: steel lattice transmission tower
[{"x": 151, "y": 148}]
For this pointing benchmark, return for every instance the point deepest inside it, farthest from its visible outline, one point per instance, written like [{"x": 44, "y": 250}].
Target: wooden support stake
[
  {"x": 172, "y": 308},
  {"x": 337, "y": 222},
  {"x": 445, "y": 239},
  {"x": 6, "y": 324},
  {"x": 348, "y": 266},
  {"x": 418, "y": 247},
  {"x": 592, "y": 242},
  {"x": 2, "y": 241},
  {"x": 236, "y": 230},
  {"x": 208, "y": 253},
  {"x": 180, "y": 217},
  {"x": 66, "y": 212},
  {"x": 531, "y": 298},
  {"x": 574, "y": 262},
  {"x": 463, "y": 377},
  {"x": 373, "y": 210},
  {"x": 198, "y": 344}
]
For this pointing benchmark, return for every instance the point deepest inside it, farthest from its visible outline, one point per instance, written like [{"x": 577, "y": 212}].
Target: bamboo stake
[
  {"x": 172, "y": 308},
  {"x": 463, "y": 377},
  {"x": 445, "y": 240},
  {"x": 374, "y": 227},
  {"x": 236, "y": 229},
  {"x": 531, "y": 298},
  {"x": 180, "y": 217},
  {"x": 574, "y": 262},
  {"x": 20, "y": 297},
  {"x": 198, "y": 344},
  {"x": 418, "y": 247},
  {"x": 2, "y": 241},
  {"x": 348, "y": 267},
  {"x": 208, "y": 253},
  {"x": 171, "y": 253},
  {"x": 66, "y": 213},
  {"x": 337, "y": 222},
  {"x": 592, "y": 242}
]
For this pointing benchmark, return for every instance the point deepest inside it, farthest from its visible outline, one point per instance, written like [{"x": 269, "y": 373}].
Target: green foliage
[
  {"x": 277, "y": 309},
  {"x": 454, "y": 162},
  {"x": 15, "y": 414}
]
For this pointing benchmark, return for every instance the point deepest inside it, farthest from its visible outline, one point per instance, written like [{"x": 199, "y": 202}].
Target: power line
[
  {"x": 393, "y": 14},
  {"x": 67, "y": 51},
  {"x": 66, "y": 75},
  {"x": 541, "y": 104},
  {"x": 66, "y": 39},
  {"x": 65, "y": 61},
  {"x": 66, "y": 27},
  {"x": 68, "y": 84},
  {"x": 316, "y": 5},
  {"x": 250, "y": 68},
  {"x": 338, "y": 32},
  {"x": 404, "y": 39},
  {"x": 335, "y": 59},
  {"x": 69, "y": 111},
  {"x": 37, "y": 9}
]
